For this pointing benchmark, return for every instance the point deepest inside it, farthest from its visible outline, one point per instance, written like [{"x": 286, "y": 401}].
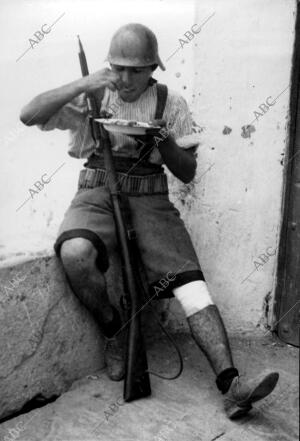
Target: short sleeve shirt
[{"x": 73, "y": 116}]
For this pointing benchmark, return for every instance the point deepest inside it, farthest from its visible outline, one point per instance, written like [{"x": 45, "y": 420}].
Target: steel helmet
[{"x": 134, "y": 45}]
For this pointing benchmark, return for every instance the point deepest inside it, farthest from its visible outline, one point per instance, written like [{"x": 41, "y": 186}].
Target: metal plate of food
[{"x": 128, "y": 127}]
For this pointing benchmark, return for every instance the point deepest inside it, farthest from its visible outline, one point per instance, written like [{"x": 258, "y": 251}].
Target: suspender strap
[{"x": 162, "y": 94}]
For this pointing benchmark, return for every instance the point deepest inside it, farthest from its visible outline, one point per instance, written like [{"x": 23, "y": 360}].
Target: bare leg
[
  {"x": 209, "y": 332},
  {"x": 88, "y": 283}
]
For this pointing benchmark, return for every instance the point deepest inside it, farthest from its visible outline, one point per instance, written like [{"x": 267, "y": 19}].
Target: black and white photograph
[{"x": 150, "y": 226}]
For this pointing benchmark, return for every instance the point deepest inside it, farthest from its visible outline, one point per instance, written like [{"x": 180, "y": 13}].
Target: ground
[{"x": 187, "y": 409}]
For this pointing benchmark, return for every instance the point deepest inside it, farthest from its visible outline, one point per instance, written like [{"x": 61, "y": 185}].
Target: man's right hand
[
  {"x": 43, "y": 106},
  {"x": 101, "y": 79}
]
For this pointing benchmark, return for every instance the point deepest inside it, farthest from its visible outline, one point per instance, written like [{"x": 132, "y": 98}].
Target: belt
[
  {"x": 147, "y": 184},
  {"x": 123, "y": 165}
]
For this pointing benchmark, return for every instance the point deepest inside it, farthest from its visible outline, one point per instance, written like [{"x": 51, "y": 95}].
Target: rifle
[{"x": 137, "y": 381}]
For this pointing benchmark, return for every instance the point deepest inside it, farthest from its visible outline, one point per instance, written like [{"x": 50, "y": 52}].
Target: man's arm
[
  {"x": 176, "y": 147},
  {"x": 43, "y": 106},
  {"x": 182, "y": 163}
]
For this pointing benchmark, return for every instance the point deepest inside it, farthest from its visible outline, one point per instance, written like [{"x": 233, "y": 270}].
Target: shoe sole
[
  {"x": 264, "y": 388},
  {"x": 238, "y": 412},
  {"x": 116, "y": 378}
]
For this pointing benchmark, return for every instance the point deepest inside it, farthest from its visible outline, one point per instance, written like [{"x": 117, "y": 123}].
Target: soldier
[{"x": 87, "y": 235}]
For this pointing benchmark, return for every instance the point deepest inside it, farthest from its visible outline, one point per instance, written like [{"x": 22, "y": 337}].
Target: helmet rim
[{"x": 134, "y": 45}]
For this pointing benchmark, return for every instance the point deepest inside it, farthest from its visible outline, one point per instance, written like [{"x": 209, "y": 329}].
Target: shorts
[{"x": 164, "y": 243}]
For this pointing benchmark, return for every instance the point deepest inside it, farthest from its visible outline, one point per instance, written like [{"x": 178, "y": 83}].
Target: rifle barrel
[
  {"x": 137, "y": 382},
  {"x": 82, "y": 59}
]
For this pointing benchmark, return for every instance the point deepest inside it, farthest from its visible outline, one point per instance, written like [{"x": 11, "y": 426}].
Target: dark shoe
[
  {"x": 114, "y": 357},
  {"x": 242, "y": 393}
]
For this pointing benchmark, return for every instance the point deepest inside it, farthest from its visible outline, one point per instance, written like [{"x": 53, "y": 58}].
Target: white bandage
[{"x": 193, "y": 297}]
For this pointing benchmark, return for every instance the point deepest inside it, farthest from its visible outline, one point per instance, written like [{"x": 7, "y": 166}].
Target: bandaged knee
[{"x": 193, "y": 297}]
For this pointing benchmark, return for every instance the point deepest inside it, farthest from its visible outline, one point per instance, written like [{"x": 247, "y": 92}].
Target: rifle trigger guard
[
  {"x": 124, "y": 303},
  {"x": 131, "y": 233}
]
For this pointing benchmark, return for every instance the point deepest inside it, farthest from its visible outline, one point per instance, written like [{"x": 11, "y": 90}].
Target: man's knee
[{"x": 78, "y": 255}]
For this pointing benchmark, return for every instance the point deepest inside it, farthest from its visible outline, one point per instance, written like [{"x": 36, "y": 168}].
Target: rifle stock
[{"x": 137, "y": 381}]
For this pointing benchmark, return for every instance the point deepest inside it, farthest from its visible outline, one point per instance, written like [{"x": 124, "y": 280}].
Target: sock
[
  {"x": 224, "y": 379},
  {"x": 111, "y": 328}
]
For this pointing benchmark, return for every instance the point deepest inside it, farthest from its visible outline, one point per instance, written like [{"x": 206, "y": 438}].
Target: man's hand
[
  {"x": 101, "y": 79},
  {"x": 42, "y": 107},
  {"x": 152, "y": 138},
  {"x": 158, "y": 122},
  {"x": 151, "y": 132}
]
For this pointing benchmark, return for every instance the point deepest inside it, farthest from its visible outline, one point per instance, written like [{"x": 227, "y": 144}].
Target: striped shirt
[{"x": 73, "y": 116}]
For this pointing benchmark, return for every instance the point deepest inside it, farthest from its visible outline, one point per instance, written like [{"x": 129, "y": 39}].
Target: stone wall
[{"x": 48, "y": 338}]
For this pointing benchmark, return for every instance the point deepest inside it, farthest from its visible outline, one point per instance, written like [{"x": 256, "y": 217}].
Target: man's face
[{"x": 134, "y": 81}]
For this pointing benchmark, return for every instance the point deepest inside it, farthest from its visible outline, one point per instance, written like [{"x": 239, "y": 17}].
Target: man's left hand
[{"x": 150, "y": 132}]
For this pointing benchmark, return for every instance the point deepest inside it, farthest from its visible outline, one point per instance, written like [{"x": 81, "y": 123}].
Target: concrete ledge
[
  {"x": 188, "y": 409},
  {"x": 48, "y": 338}
]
